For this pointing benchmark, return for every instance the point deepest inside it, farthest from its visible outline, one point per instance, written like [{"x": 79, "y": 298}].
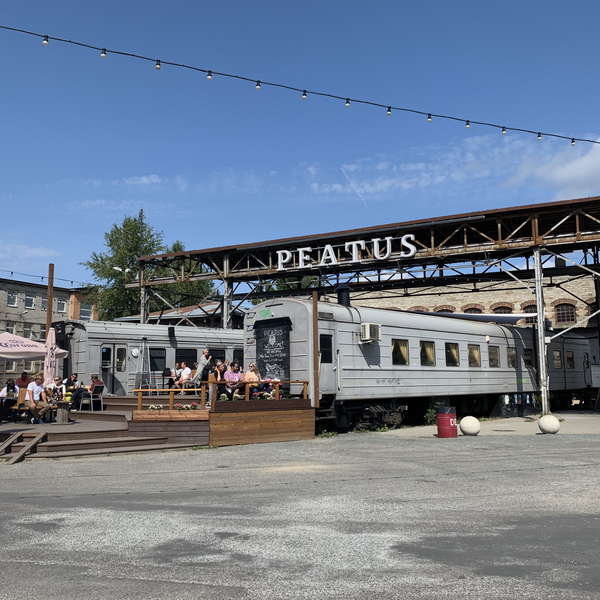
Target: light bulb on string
[
  {"x": 389, "y": 110},
  {"x": 539, "y": 136},
  {"x": 45, "y": 40},
  {"x": 573, "y": 142},
  {"x": 347, "y": 101},
  {"x": 504, "y": 131},
  {"x": 258, "y": 85},
  {"x": 103, "y": 53},
  {"x": 209, "y": 75},
  {"x": 429, "y": 118},
  {"x": 304, "y": 96},
  {"x": 467, "y": 125},
  {"x": 158, "y": 65}
]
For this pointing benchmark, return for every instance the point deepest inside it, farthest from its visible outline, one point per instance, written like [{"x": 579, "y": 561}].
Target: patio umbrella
[{"x": 50, "y": 358}]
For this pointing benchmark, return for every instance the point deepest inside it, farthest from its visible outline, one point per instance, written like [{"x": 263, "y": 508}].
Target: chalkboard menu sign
[{"x": 273, "y": 348}]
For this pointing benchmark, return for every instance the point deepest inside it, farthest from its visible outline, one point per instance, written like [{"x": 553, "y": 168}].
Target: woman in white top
[
  {"x": 56, "y": 390},
  {"x": 10, "y": 388}
]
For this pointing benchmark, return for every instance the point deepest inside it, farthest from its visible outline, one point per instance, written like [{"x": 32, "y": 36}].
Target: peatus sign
[{"x": 380, "y": 249}]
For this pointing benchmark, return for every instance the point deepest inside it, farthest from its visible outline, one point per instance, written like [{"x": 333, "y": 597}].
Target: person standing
[
  {"x": 204, "y": 365},
  {"x": 36, "y": 400}
]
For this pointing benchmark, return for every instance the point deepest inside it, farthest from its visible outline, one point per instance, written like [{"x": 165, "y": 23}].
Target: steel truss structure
[{"x": 480, "y": 249}]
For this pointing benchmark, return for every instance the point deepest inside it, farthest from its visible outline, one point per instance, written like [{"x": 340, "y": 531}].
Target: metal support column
[
  {"x": 227, "y": 304},
  {"x": 144, "y": 297},
  {"x": 541, "y": 330}
]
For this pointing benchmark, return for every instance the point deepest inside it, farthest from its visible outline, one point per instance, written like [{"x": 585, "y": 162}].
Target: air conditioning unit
[{"x": 370, "y": 332}]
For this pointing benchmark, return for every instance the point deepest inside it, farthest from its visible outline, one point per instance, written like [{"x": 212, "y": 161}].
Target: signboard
[{"x": 273, "y": 349}]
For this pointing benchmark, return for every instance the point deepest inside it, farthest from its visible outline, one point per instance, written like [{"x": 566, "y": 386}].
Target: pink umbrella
[{"x": 50, "y": 358}]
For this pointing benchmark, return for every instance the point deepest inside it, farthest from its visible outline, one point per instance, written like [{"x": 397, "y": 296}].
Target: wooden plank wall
[
  {"x": 255, "y": 427},
  {"x": 194, "y": 433}
]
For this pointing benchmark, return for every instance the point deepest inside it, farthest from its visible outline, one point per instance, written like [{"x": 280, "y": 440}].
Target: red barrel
[{"x": 446, "y": 422}]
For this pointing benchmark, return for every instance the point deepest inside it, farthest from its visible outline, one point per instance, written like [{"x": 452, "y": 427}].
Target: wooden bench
[{"x": 20, "y": 407}]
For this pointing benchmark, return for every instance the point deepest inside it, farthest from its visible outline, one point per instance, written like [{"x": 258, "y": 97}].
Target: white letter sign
[
  {"x": 283, "y": 257},
  {"x": 328, "y": 256},
  {"x": 356, "y": 257}
]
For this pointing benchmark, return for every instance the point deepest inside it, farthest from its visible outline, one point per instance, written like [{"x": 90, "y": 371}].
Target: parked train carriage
[
  {"x": 114, "y": 350},
  {"x": 372, "y": 361}
]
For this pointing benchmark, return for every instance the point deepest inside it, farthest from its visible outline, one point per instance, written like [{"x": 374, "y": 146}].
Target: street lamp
[{"x": 121, "y": 270}]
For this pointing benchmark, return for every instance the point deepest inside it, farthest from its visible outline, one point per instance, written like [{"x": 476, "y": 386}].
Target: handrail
[{"x": 203, "y": 390}]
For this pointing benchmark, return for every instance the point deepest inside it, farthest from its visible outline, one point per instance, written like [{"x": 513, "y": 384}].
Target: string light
[
  {"x": 467, "y": 125},
  {"x": 389, "y": 110},
  {"x": 258, "y": 85},
  {"x": 209, "y": 75},
  {"x": 304, "y": 96},
  {"x": 539, "y": 136}
]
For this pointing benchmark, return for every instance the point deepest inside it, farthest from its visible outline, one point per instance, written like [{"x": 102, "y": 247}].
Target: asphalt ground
[{"x": 369, "y": 515}]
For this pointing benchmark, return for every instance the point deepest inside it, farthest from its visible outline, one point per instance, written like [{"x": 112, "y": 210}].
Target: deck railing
[{"x": 205, "y": 385}]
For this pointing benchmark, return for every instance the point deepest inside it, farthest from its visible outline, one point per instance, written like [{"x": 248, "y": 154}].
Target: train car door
[
  {"x": 328, "y": 361},
  {"x": 113, "y": 370},
  {"x": 587, "y": 373}
]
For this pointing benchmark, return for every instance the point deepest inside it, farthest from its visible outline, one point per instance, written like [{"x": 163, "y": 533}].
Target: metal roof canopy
[{"x": 466, "y": 248}]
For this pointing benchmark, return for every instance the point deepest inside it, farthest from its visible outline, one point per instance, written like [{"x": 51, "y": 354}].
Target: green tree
[{"x": 118, "y": 265}]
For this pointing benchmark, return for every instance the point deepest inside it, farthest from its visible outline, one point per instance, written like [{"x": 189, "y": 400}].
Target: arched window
[
  {"x": 444, "y": 310},
  {"x": 503, "y": 310},
  {"x": 473, "y": 311},
  {"x": 531, "y": 309},
  {"x": 565, "y": 313}
]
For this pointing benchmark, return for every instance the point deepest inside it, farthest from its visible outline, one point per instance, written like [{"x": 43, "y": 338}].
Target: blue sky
[{"x": 86, "y": 141}]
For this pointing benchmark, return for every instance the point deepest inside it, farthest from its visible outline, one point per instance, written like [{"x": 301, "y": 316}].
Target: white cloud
[
  {"x": 144, "y": 180},
  {"x": 181, "y": 183},
  {"x": 10, "y": 251}
]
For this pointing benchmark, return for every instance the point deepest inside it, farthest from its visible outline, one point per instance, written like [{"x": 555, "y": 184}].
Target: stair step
[
  {"x": 91, "y": 444},
  {"x": 102, "y": 451}
]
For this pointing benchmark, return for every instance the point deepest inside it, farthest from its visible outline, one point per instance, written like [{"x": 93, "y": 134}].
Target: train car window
[
  {"x": 238, "y": 354},
  {"x": 511, "y": 357},
  {"x": 121, "y": 359},
  {"x": 326, "y": 348},
  {"x": 106, "y": 357},
  {"x": 400, "y": 352},
  {"x": 427, "y": 354},
  {"x": 217, "y": 353},
  {"x": 474, "y": 355},
  {"x": 570, "y": 359},
  {"x": 494, "y": 357},
  {"x": 186, "y": 355},
  {"x": 528, "y": 357},
  {"x": 158, "y": 359},
  {"x": 557, "y": 359},
  {"x": 586, "y": 361},
  {"x": 452, "y": 358}
]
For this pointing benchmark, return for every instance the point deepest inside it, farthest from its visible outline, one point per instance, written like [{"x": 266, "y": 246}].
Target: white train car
[
  {"x": 115, "y": 350},
  {"x": 372, "y": 361}
]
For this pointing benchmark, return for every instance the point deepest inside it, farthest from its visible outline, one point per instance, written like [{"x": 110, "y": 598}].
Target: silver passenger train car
[
  {"x": 115, "y": 350},
  {"x": 373, "y": 362}
]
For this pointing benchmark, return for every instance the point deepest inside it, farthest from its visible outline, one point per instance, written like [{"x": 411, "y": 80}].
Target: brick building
[{"x": 23, "y": 310}]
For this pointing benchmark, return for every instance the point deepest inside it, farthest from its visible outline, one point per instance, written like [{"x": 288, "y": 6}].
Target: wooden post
[
  {"x": 140, "y": 399},
  {"x": 304, "y": 390},
  {"x": 247, "y": 391},
  {"x": 315, "y": 332},
  {"x": 202, "y": 396},
  {"x": 277, "y": 390},
  {"x": 50, "y": 302},
  {"x": 171, "y": 399}
]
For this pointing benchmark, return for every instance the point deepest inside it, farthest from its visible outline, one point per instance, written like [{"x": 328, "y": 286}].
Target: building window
[
  {"x": 570, "y": 359},
  {"x": 29, "y": 300},
  {"x": 11, "y": 366},
  {"x": 11, "y": 298},
  {"x": 427, "y": 354},
  {"x": 444, "y": 310},
  {"x": 511, "y": 357},
  {"x": 326, "y": 348},
  {"x": 528, "y": 357},
  {"x": 494, "y": 357},
  {"x": 474, "y": 355},
  {"x": 61, "y": 305},
  {"x": 557, "y": 359},
  {"x": 503, "y": 310},
  {"x": 452, "y": 358},
  {"x": 400, "y": 352},
  {"x": 44, "y": 303},
  {"x": 531, "y": 309},
  {"x": 85, "y": 312},
  {"x": 10, "y": 327},
  {"x": 473, "y": 311},
  {"x": 42, "y": 333},
  {"x": 28, "y": 331},
  {"x": 565, "y": 313}
]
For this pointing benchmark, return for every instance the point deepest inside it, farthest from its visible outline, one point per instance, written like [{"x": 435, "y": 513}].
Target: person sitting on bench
[
  {"x": 185, "y": 376},
  {"x": 36, "y": 400},
  {"x": 80, "y": 393}
]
